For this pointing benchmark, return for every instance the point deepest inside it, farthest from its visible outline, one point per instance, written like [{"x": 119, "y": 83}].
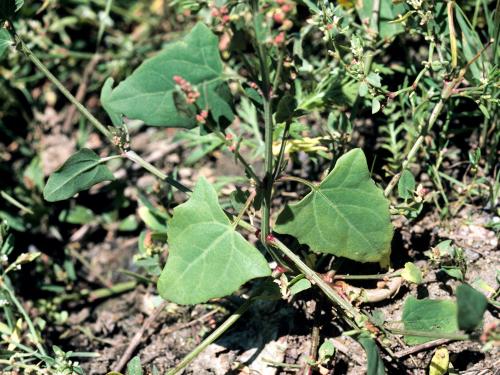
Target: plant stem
[
  {"x": 281, "y": 364},
  {"x": 352, "y": 314},
  {"x": 413, "y": 151},
  {"x": 446, "y": 92},
  {"x": 132, "y": 156},
  {"x": 92, "y": 295},
  {"x": 279, "y": 70},
  {"x": 268, "y": 179},
  {"x": 115, "y": 289},
  {"x": 374, "y": 20},
  {"x": 432, "y": 335},
  {"x": 109, "y": 158},
  {"x": 91, "y": 118},
  {"x": 281, "y": 155},
  {"x": 41, "y": 66},
  {"x": 375, "y": 17},
  {"x": 16, "y": 203},
  {"x": 212, "y": 337},
  {"x": 268, "y": 128},
  {"x": 248, "y": 202},
  {"x": 367, "y": 277},
  {"x": 22, "y": 311},
  {"x": 299, "y": 180}
]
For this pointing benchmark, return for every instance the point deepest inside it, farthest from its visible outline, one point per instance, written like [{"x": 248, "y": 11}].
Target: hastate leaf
[
  {"x": 207, "y": 257},
  {"x": 346, "y": 214},
  {"x": 81, "y": 171},
  {"x": 429, "y": 316},
  {"x": 148, "y": 94}
]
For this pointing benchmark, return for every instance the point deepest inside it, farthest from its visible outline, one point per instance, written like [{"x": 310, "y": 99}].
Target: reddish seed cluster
[
  {"x": 202, "y": 117},
  {"x": 229, "y": 136},
  {"x": 191, "y": 94},
  {"x": 148, "y": 239},
  {"x": 280, "y": 15},
  {"x": 279, "y": 39},
  {"x": 489, "y": 332},
  {"x": 422, "y": 191},
  {"x": 221, "y": 13}
]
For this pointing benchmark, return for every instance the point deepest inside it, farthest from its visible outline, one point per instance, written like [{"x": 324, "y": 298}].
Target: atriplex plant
[{"x": 347, "y": 215}]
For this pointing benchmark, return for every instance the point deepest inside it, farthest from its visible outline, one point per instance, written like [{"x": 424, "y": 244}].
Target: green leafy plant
[{"x": 265, "y": 77}]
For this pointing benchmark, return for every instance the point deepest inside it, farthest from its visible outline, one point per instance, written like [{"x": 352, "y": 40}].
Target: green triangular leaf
[
  {"x": 471, "y": 307},
  {"x": 207, "y": 257},
  {"x": 81, "y": 171},
  {"x": 346, "y": 214},
  {"x": 406, "y": 185},
  {"x": 148, "y": 94},
  {"x": 412, "y": 273},
  {"x": 429, "y": 316}
]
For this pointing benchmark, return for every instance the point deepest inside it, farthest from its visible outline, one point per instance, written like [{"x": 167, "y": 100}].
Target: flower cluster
[
  {"x": 201, "y": 118},
  {"x": 281, "y": 14},
  {"x": 191, "y": 93},
  {"x": 222, "y": 14}
]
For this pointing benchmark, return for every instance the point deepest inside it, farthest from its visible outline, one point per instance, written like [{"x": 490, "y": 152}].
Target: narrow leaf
[
  {"x": 81, "y": 171},
  {"x": 207, "y": 257},
  {"x": 375, "y": 365},
  {"x": 346, "y": 214}
]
